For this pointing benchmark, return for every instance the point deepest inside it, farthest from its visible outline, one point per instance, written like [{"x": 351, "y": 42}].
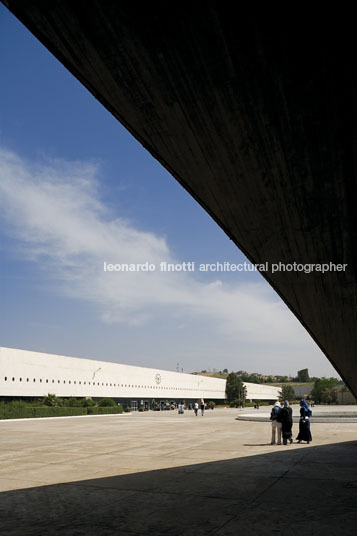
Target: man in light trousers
[{"x": 275, "y": 424}]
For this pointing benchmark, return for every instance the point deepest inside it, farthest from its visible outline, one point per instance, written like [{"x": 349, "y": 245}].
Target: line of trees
[
  {"x": 325, "y": 390},
  {"x": 73, "y": 402},
  {"x": 53, "y": 406},
  {"x": 302, "y": 376}
]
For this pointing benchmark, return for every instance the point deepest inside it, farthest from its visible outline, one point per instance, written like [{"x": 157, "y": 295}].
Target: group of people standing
[
  {"x": 201, "y": 405},
  {"x": 282, "y": 422},
  {"x": 196, "y": 406}
]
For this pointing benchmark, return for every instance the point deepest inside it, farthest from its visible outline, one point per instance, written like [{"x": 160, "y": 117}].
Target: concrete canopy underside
[{"x": 255, "y": 119}]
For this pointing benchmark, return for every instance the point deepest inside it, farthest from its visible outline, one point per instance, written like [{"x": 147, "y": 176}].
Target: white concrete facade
[
  {"x": 35, "y": 374},
  {"x": 257, "y": 391}
]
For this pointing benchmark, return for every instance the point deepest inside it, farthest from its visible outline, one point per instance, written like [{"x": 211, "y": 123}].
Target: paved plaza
[{"x": 160, "y": 473}]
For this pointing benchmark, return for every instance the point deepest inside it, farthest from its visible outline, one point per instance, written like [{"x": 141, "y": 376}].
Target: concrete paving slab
[
  {"x": 277, "y": 520},
  {"x": 53, "y": 457},
  {"x": 165, "y": 474},
  {"x": 8, "y": 484},
  {"x": 226, "y": 486}
]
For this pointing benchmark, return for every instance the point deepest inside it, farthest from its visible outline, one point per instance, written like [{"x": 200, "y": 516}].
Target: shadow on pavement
[{"x": 312, "y": 490}]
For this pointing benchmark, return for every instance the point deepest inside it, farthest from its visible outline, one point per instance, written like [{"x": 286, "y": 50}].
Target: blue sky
[{"x": 77, "y": 190}]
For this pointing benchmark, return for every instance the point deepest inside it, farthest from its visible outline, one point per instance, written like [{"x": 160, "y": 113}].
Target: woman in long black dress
[
  {"x": 286, "y": 419},
  {"x": 304, "y": 423}
]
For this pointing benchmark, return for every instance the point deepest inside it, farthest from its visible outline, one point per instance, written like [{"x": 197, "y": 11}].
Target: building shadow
[{"x": 308, "y": 490}]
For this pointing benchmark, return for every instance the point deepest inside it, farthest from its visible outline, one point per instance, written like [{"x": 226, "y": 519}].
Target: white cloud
[{"x": 55, "y": 213}]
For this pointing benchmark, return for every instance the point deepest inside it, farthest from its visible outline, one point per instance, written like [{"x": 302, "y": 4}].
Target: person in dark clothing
[
  {"x": 286, "y": 419},
  {"x": 304, "y": 423}
]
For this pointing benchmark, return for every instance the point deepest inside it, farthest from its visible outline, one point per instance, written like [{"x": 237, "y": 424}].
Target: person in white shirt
[{"x": 195, "y": 408}]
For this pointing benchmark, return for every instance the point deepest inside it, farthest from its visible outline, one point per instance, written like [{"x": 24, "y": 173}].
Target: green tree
[
  {"x": 235, "y": 388},
  {"x": 303, "y": 375},
  {"x": 329, "y": 396},
  {"x": 320, "y": 385},
  {"x": 52, "y": 400},
  {"x": 87, "y": 402},
  {"x": 255, "y": 379},
  {"x": 286, "y": 392},
  {"x": 71, "y": 402},
  {"x": 251, "y": 378},
  {"x": 106, "y": 402}
]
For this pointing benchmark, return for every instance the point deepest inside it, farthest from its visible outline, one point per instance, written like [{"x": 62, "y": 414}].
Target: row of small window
[{"x": 112, "y": 385}]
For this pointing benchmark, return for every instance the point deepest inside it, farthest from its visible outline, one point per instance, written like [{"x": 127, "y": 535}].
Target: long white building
[{"x": 34, "y": 374}]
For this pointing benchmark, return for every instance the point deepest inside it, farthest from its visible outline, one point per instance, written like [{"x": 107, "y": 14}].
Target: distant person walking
[
  {"x": 304, "y": 423},
  {"x": 275, "y": 424},
  {"x": 195, "y": 408},
  {"x": 286, "y": 419},
  {"x": 202, "y": 407}
]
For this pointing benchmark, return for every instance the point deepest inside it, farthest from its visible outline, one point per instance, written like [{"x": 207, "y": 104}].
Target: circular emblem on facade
[{"x": 158, "y": 378}]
